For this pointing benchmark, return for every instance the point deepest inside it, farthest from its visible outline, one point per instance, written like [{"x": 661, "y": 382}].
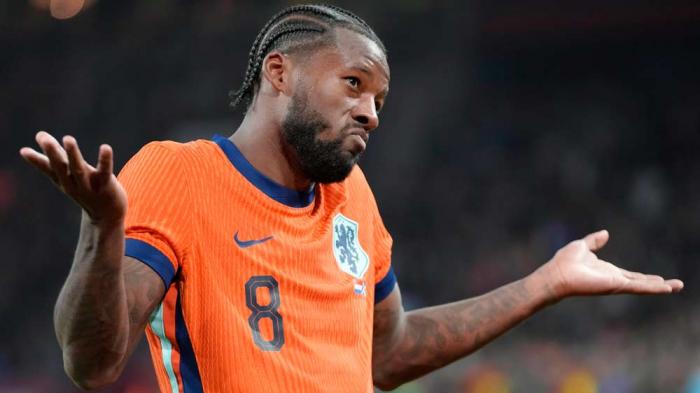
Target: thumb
[{"x": 596, "y": 240}]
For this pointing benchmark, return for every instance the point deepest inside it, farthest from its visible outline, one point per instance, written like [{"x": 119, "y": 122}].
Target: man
[{"x": 259, "y": 262}]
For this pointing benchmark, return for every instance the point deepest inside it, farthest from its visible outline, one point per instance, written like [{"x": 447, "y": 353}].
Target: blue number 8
[{"x": 264, "y": 311}]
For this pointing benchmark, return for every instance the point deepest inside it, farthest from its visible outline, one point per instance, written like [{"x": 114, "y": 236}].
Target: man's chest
[{"x": 283, "y": 283}]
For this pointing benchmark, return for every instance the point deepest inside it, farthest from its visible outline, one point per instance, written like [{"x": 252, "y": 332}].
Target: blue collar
[{"x": 287, "y": 196}]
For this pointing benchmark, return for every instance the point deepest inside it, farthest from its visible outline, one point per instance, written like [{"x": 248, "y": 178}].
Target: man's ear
[{"x": 276, "y": 69}]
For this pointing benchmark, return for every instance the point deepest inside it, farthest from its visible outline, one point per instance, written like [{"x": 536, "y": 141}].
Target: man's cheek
[{"x": 327, "y": 135}]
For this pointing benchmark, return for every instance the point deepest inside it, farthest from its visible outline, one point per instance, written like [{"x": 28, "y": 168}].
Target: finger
[
  {"x": 39, "y": 161},
  {"x": 642, "y": 286},
  {"x": 46, "y": 140},
  {"x": 649, "y": 284},
  {"x": 640, "y": 276},
  {"x": 76, "y": 163},
  {"x": 104, "y": 160},
  {"x": 676, "y": 285},
  {"x": 104, "y": 167},
  {"x": 595, "y": 241},
  {"x": 57, "y": 156}
]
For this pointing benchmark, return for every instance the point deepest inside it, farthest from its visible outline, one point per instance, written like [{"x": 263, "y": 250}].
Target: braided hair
[{"x": 296, "y": 28}]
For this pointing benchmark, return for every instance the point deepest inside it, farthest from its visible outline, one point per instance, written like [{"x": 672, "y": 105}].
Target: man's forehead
[{"x": 360, "y": 51}]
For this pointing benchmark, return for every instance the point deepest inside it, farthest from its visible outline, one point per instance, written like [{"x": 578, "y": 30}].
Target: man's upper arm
[
  {"x": 389, "y": 325},
  {"x": 144, "y": 291}
]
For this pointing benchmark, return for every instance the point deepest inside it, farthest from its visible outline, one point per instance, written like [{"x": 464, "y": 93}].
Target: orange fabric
[{"x": 188, "y": 201}]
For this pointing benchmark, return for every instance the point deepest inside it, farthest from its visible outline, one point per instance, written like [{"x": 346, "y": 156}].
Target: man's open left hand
[{"x": 576, "y": 270}]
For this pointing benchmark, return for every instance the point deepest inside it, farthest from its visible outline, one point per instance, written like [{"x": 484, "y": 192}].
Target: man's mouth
[
  {"x": 359, "y": 138},
  {"x": 361, "y": 133}
]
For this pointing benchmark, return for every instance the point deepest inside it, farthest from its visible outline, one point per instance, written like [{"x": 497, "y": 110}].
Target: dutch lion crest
[{"x": 349, "y": 255}]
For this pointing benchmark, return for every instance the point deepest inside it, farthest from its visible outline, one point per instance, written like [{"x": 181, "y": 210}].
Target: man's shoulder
[
  {"x": 357, "y": 180},
  {"x": 180, "y": 154},
  {"x": 177, "y": 148},
  {"x": 173, "y": 158},
  {"x": 355, "y": 187},
  {"x": 356, "y": 176}
]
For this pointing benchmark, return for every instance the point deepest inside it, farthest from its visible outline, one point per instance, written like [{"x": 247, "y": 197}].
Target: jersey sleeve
[
  {"x": 158, "y": 212},
  {"x": 385, "y": 280}
]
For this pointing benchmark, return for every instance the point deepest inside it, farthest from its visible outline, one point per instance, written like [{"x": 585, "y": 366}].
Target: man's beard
[{"x": 320, "y": 161}]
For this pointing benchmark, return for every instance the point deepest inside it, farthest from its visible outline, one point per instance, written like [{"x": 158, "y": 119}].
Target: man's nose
[{"x": 366, "y": 113}]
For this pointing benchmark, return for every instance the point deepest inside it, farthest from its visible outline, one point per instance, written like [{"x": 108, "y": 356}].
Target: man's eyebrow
[
  {"x": 362, "y": 69},
  {"x": 383, "y": 93}
]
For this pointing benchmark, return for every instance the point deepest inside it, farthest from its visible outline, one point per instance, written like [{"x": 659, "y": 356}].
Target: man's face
[{"x": 337, "y": 94}]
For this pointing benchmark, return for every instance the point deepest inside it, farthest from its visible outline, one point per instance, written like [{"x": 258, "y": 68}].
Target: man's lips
[
  {"x": 360, "y": 136},
  {"x": 361, "y": 133}
]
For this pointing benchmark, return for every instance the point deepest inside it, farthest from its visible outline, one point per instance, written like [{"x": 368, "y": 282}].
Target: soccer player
[{"x": 259, "y": 262}]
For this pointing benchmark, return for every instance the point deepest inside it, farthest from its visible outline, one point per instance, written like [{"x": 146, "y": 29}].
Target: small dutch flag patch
[{"x": 360, "y": 287}]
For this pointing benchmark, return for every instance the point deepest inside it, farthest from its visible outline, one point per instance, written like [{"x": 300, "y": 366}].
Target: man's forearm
[
  {"x": 430, "y": 338},
  {"x": 90, "y": 317}
]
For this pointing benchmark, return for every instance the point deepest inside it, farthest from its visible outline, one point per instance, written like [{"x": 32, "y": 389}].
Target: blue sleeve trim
[
  {"x": 152, "y": 257},
  {"x": 189, "y": 370},
  {"x": 383, "y": 288}
]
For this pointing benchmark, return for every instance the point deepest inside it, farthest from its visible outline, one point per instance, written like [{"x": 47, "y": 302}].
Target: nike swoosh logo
[{"x": 248, "y": 243}]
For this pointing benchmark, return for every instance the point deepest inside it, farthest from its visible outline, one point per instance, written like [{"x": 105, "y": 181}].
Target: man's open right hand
[{"x": 95, "y": 189}]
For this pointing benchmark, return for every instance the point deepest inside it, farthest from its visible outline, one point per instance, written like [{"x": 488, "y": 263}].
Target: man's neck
[{"x": 261, "y": 143}]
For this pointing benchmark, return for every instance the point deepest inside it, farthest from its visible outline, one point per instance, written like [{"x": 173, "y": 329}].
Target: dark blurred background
[{"x": 512, "y": 127}]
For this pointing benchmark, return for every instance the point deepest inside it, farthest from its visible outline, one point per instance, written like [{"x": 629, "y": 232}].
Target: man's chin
[
  {"x": 351, "y": 157},
  {"x": 338, "y": 174}
]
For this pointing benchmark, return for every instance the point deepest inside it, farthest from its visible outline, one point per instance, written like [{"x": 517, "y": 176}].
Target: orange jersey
[{"x": 268, "y": 289}]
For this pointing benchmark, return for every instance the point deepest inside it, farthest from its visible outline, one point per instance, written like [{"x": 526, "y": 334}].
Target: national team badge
[{"x": 349, "y": 255}]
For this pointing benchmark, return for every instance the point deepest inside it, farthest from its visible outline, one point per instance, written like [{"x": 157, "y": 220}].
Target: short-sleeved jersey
[{"x": 267, "y": 289}]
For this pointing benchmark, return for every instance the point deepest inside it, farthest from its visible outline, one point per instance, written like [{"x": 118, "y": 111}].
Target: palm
[
  {"x": 94, "y": 188},
  {"x": 103, "y": 200},
  {"x": 576, "y": 270}
]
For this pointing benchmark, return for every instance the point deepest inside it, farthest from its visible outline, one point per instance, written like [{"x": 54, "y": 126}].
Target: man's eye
[{"x": 352, "y": 81}]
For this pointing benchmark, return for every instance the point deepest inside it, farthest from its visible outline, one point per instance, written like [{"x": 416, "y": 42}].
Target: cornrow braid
[
  {"x": 350, "y": 14},
  {"x": 291, "y": 29}
]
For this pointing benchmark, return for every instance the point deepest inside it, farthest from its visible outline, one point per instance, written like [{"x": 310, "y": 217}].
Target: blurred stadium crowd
[{"x": 510, "y": 129}]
